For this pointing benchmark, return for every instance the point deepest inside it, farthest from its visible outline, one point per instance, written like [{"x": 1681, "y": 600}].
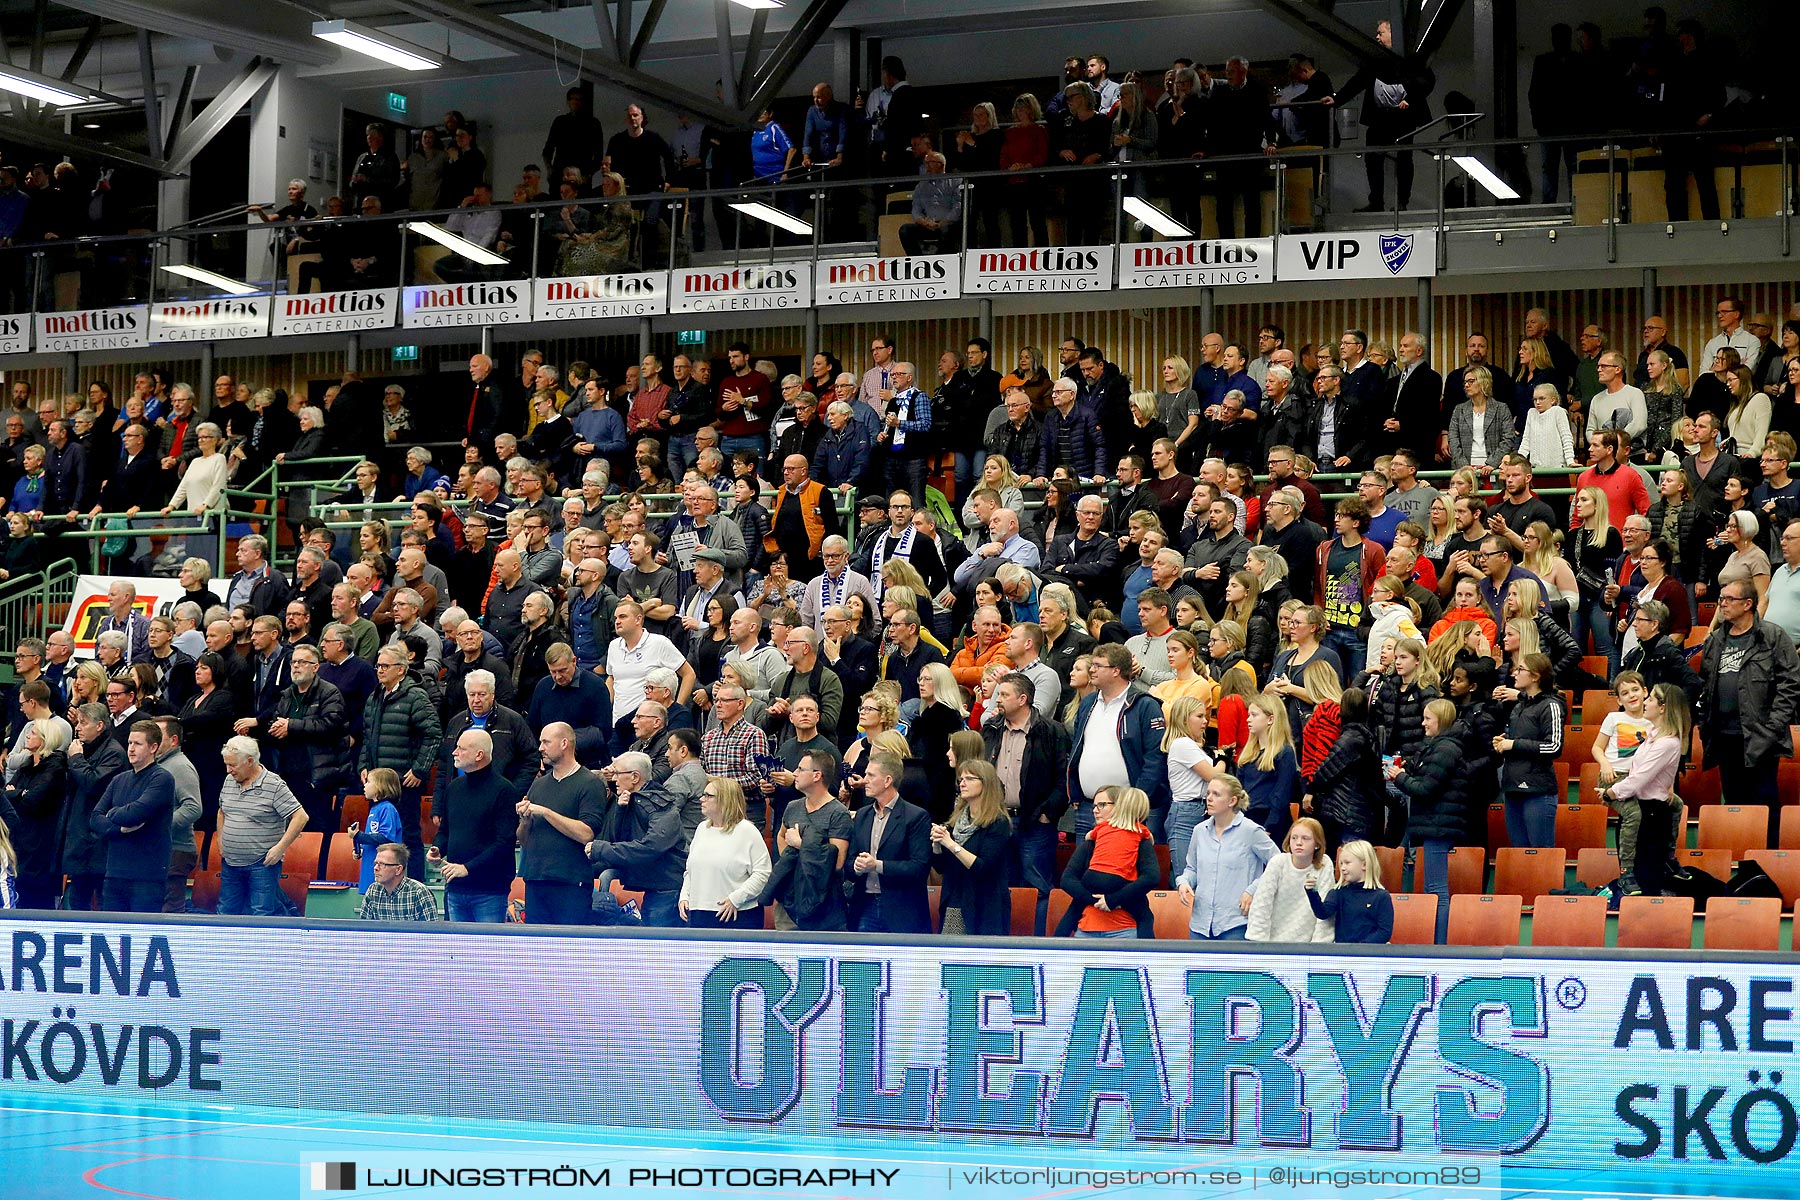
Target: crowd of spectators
[
  {"x": 1655, "y": 81},
  {"x": 1070, "y": 612}
]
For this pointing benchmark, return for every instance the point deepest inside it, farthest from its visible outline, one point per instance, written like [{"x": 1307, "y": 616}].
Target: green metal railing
[{"x": 32, "y": 606}]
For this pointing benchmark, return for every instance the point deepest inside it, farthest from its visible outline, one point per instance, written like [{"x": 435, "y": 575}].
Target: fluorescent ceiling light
[
  {"x": 235, "y": 286},
  {"x": 461, "y": 245},
  {"x": 774, "y": 216},
  {"x": 1477, "y": 170},
  {"x": 757, "y": 3},
  {"x": 40, "y": 87},
  {"x": 387, "y": 48},
  {"x": 1155, "y": 218}
]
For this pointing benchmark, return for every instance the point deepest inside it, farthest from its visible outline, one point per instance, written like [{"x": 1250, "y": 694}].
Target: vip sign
[
  {"x": 595, "y": 297},
  {"x": 1056, "y": 269},
  {"x": 337, "y": 312},
  {"x": 1305, "y": 257},
  {"x": 742, "y": 289},
  {"x": 888, "y": 280},
  {"x": 1197, "y": 263},
  {"x": 444, "y": 305},
  {"x": 15, "y": 335},
  {"x": 209, "y": 320},
  {"x": 94, "y": 329}
]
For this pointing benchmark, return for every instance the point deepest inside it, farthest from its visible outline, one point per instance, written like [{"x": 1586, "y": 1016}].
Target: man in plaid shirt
[
  {"x": 395, "y": 897},
  {"x": 736, "y": 748}
]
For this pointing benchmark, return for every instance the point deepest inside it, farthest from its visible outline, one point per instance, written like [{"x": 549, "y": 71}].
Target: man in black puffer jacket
[
  {"x": 310, "y": 732},
  {"x": 1348, "y": 792}
]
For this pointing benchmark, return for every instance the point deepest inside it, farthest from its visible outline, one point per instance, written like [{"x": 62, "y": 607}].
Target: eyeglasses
[{"x": 392, "y": 866}]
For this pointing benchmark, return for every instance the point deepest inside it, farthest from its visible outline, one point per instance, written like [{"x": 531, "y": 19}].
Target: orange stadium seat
[
  {"x": 1485, "y": 920},
  {"x": 1596, "y": 866},
  {"x": 303, "y": 856},
  {"x": 1587, "y": 784},
  {"x": 1392, "y": 861},
  {"x": 1595, "y": 704},
  {"x": 1578, "y": 744},
  {"x": 1734, "y": 827},
  {"x": 1496, "y": 826},
  {"x": 1783, "y": 867},
  {"x": 1171, "y": 915},
  {"x": 1571, "y": 921},
  {"x": 1716, "y": 863},
  {"x": 1656, "y": 923},
  {"x": 1742, "y": 923},
  {"x": 341, "y": 863},
  {"x": 1530, "y": 873},
  {"x": 1581, "y": 826},
  {"x": 1790, "y": 828},
  {"x": 294, "y": 887},
  {"x": 1415, "y": 920}
]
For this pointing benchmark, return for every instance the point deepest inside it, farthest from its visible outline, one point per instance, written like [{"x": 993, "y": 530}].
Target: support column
[
  {"x": 71, "y": 376},
  {"x": 1423, "y": 316},
  {"x": 1206, "y": 310},
  {"x": 985, "y": 318},
  {"x": 487, "y": 340},
  {"x": 846, "y": 62},
  {"x": 203, "y": 385},
  {"x": 643, "y": 337},
  {"x": 353, "y": 352},
  {"x": 1649, "y": 301},
  {"x": 809, "y": 345},
  {"x": 1497, "y": 65}
]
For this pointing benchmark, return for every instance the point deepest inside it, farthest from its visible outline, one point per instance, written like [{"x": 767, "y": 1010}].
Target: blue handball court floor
[{"x": 57, "y": 1146}]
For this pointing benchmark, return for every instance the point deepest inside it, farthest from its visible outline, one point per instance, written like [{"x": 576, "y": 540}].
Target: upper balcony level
[{"x": 1110, "y": 235}]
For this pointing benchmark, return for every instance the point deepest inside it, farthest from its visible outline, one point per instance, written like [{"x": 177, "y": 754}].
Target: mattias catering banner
[{"x": 1592, "y": 1076}]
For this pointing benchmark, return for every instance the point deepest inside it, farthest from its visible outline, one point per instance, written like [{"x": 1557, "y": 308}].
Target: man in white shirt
[
  {"x": 1730, "y": 312},
  {"x": 630, "y": 656},
  {"x": 1618, "y": 404}
]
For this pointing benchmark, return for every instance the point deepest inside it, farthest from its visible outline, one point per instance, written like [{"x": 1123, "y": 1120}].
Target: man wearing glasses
[
  {"x": 395, "y": 897},
  {"x": 852, "y": 659},
  {"x": 1776, "y": 500},
  {"x": 401, "y": 732},
  {"x": 1730, "y": 315},
  {"x": 1752, "y": 695},
  {"x": 1656, "y": 337},
  {"x": 1117, "y": 740},
  {"x": 1658, "y": 657},
  {"x": 1781, "y": 604},
  {"x": 835, "y": 586},
  {"x": 649, "y": 853}
]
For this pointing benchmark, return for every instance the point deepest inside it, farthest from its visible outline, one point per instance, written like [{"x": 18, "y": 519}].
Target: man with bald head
[
  {"x": 477, "y": 822},
  {"x": 1004, "y": 545},
  {"x": 505, "y": 615},
  {"x": 482, "y": 416},
  {"x": 801, "y": 517},
  {"x": 562, "y": 813},
  {"x": 471, "y": 654}
]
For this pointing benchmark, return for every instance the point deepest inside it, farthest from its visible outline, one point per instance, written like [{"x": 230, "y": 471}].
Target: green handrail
[{"x": 27, "y": 603}]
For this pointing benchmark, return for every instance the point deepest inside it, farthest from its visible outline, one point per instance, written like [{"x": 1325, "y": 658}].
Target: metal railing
[
  {"x": 609, "y": 236},
  {"x": 34, "y": 605}
]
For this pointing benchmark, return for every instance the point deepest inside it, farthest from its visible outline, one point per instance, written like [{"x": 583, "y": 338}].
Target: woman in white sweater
[
  {"x": 727, "y": 865},
  {"x": 1281, "y": 912},
  {"x": 204, "y": 480},
  {"x": 1547, "y": 441}
]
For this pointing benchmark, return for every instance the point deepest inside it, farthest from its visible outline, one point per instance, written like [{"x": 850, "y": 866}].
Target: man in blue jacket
[
  {"x": 133, "y": 818},
  {"x": 1118, "y": 741},
  {"x": 889, "y": 858}
]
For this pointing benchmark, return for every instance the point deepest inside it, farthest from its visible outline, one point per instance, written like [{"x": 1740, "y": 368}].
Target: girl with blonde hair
[
  {"x": 1190, "y": 769},
  {"x": 1359, "y": 908},
  {"x": 1111, "y": 899},
  {"x": 1268, "y": 765},
  {"x": 1281, "y": 911}
]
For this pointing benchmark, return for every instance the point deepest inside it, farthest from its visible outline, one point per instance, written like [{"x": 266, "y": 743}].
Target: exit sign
[
  {"x": 397, "y": 103},
  {"x": 406, "y": 354},
  {"x": 691, "y": 337}
]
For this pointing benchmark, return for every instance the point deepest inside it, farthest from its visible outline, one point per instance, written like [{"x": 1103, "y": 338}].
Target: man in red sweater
[
  {"x": 746, "y": 404},
  {"x": 1624, "y": 487}
]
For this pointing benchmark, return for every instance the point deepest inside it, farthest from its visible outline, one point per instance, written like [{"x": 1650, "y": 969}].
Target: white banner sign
[
  {"x": 1053, "y": 269},
  {"x": 155, "y": 597},
  {"x": 1197, "y": 263},
  {"x": 15, "y": 334},
  {"x": 337, "y": 312},
  {"x": 94, "y": 329},
  {"x": 780, "y": 288},
  {"x": 886, "y": 280},
  {"x": 1409, "y": 255},
  {"x": 209, "y": 320},
  {"x": 593, "y": 297},
  {"x": 443, "y": 305}
]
